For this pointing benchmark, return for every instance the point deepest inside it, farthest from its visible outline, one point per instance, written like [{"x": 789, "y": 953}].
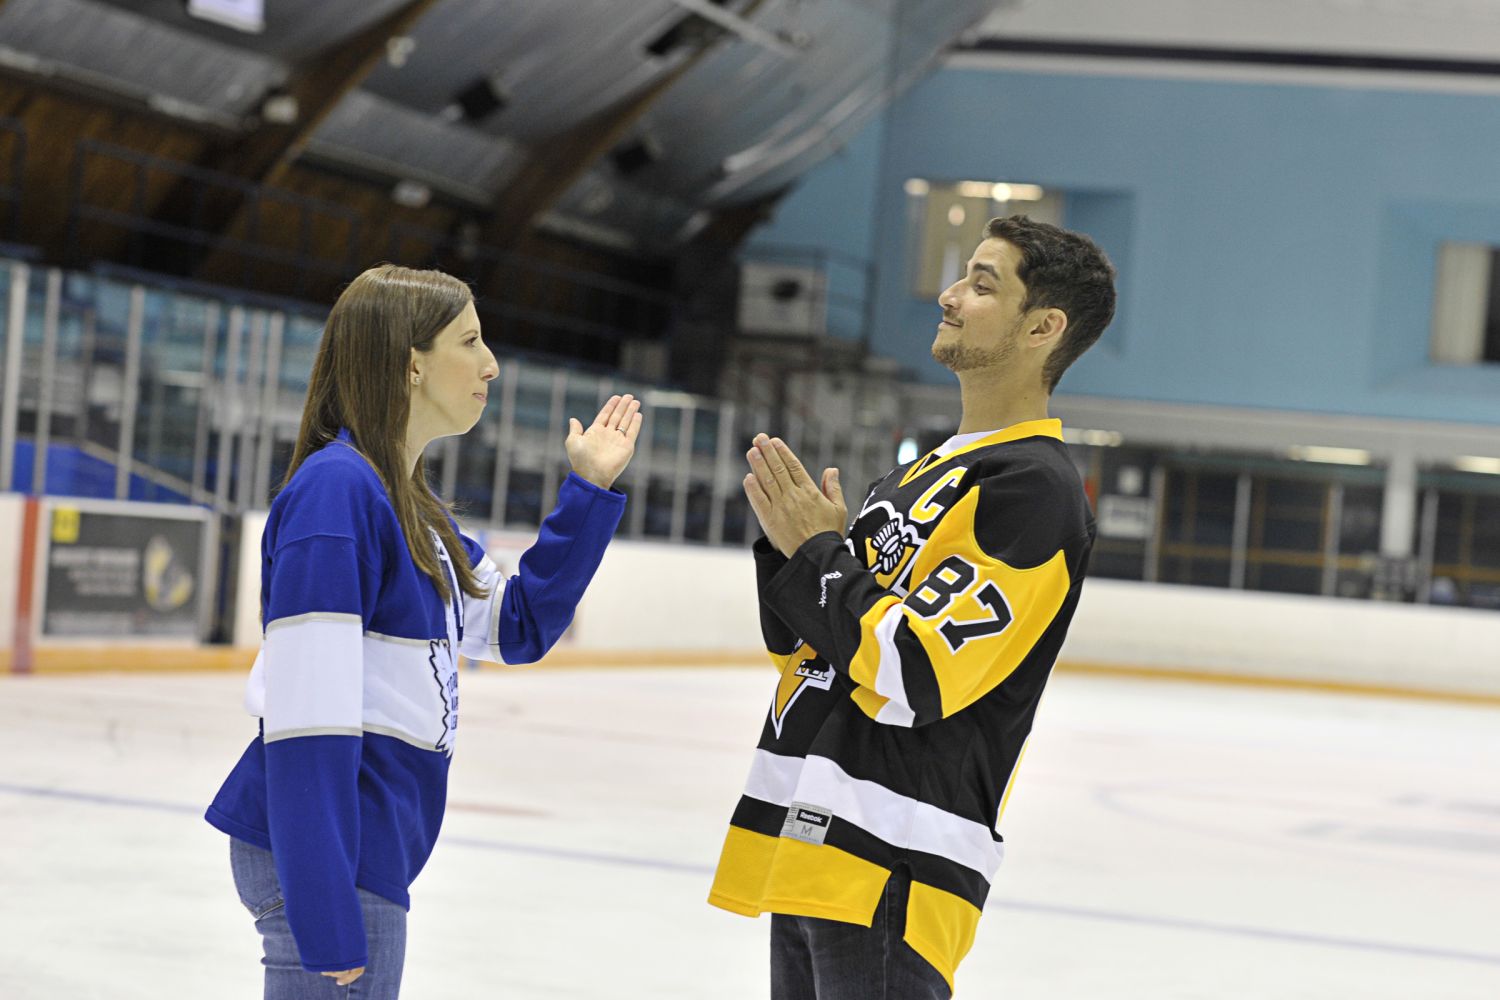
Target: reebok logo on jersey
[
  {"x": 823, "y": 584},
  {"x": 807, "y": 823}
]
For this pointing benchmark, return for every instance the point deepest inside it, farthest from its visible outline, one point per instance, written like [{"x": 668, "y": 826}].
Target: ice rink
[{"x": 1165, "y": 841}]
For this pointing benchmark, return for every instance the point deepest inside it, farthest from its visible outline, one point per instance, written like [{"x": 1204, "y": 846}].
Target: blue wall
[
  {"x": 1276, "y": 243},
  {"x": 833, "y": 209}
]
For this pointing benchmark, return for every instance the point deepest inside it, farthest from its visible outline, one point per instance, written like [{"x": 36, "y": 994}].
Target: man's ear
[{"x": 1048, "y": 328}]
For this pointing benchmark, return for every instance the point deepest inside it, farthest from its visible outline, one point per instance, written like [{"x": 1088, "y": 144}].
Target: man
[{"x": 913, "y": 655}]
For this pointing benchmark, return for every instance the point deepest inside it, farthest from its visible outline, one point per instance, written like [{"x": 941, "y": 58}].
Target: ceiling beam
[
  {"x": 710, "y": 11},
  {"x": 558, "y": 162},
  {"x": 317, "y": 86},
  {"x": 262, "y": 156}
]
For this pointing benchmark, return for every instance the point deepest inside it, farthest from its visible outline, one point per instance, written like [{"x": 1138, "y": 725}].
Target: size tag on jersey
[{"x": 807, "y": 823}]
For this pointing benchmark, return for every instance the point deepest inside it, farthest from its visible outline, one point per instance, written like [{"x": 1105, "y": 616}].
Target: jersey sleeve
[
  {"x": 524, "y": 614},
  {"x": 987, "y": 585},
  {"x": 319, "y": 585},
  {"x": 780, "y": 639}
]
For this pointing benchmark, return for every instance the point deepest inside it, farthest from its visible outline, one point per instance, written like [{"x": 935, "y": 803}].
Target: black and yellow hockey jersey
[{"x": 912, "y": 658}]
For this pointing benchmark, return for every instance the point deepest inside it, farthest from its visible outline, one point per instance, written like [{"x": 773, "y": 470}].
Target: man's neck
[{"x": 991, "y": 401}]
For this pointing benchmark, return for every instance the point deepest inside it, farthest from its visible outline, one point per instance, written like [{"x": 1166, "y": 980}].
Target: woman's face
[{"x": 454, "y": 378}]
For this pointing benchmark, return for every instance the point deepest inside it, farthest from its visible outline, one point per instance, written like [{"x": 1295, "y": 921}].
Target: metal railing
[{"x": 198, "y": 399}]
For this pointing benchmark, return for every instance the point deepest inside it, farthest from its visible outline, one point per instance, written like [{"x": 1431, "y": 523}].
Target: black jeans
[{"x": 816, "y": 959}]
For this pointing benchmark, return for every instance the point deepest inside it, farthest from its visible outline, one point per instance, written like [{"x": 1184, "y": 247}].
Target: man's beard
[{"x": 957, "y": 356}]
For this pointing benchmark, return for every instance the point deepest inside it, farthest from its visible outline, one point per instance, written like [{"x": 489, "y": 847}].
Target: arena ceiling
[
  {"x": 622, "y": 121},
  {"x": 610, "y": 117}
]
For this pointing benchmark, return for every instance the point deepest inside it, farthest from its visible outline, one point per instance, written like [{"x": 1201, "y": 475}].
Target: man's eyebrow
[{"x": 987, "y": 268}]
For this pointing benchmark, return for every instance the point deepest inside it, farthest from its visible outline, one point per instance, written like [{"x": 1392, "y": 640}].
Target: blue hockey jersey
[{"x": 356, "y": 685}]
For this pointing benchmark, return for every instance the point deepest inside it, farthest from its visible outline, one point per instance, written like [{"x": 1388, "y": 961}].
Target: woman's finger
[
  {"x": 634, "y": 430},
  {"x": 626, "y": 413},
  {"x": 622, "y": 411},
  {"x": 606, "y": 411}
]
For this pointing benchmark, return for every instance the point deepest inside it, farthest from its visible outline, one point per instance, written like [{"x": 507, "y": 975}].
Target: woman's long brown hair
[{"x": 359, "y": 381}]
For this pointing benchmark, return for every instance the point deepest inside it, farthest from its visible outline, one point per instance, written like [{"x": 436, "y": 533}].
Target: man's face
[{"x": 982, "y": 311}]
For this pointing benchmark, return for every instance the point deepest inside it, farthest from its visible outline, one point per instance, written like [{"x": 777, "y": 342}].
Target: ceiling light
[
  {"x": 917, "y": 187},
  {"x": 1477, "y": 463},
  {"x": 1099, "y": 439},
  {"x": 1016, "y": 192},
  {"x": 1321, "y": 453},
  {"x": 411, "y": 194},
  {"x": 242, "y": 15}
]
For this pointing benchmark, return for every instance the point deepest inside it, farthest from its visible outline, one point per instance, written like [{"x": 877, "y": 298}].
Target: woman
[{"x": 368, "y": 596}]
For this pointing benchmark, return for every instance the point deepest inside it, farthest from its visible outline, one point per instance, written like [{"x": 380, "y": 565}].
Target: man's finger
[
  {"x": 759, "y": 502},
  {"x": 774, "y": 462},
  {"x": 794, "y": 469},
  {"x": 769, "y": 484},
  {"x": 831, "y": 488},
  {"x": 574, "y": 427}
]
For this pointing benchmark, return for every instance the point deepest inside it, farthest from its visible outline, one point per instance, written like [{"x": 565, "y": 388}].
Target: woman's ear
[{"x": 413, "y": 368}]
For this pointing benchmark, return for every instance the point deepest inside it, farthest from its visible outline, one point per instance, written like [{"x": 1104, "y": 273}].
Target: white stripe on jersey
[
  {"x": 482, "y": 614},
  {"x": 896, "y": 819}
]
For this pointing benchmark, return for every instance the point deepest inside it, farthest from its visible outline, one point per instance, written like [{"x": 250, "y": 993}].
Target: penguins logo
[
  {"x": 889, "y": 542},
  {"x": 803, "y": 669}
]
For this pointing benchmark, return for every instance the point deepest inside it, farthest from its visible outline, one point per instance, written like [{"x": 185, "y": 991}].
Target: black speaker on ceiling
[
  {"x": 480, "y": 99},
  {"x": 635, "y": 155}
]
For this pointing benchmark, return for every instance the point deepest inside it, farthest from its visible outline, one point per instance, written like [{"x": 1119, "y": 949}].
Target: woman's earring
[{"x": 416, "y": 380}]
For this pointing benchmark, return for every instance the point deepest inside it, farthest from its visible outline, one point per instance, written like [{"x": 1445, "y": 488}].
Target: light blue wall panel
[{"x": 1276, "y": 242}]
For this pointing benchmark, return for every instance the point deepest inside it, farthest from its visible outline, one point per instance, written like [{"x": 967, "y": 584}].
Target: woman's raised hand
[{"x": 600, "y": 452}]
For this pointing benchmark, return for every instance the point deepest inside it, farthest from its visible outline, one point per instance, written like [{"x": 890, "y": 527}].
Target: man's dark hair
[{"x": 1061, "y": 270}]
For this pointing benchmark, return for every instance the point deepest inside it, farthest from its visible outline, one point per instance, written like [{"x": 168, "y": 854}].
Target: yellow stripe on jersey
[
  {"x": 940, "y": 927},
  {"x": 1015, "y": 432},
  {"x": 758, "y": 873},
  {"x": 866, "y": 663},
  {"x": 1010, "y": 783},
  {"x": 744, "y": 864},
  {"x": 868, "y": 701},
  {"x": 1033, "y": 596}
]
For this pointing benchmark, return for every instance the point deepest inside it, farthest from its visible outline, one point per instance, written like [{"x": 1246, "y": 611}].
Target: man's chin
[
  {"x": 948, "y": 354},
  {"x": 958, "y": 357}
]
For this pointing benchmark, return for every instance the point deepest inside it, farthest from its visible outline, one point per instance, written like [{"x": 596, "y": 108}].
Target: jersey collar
[{"x": 1050, "y": 427}]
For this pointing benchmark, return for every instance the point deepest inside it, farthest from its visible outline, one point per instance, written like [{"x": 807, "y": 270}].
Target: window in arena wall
[
  {"x": 946, "y": 220},
  {"x": 1466, "y": 305}
]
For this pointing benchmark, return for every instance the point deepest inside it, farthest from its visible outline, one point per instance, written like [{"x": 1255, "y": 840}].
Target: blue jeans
[
  {"x": 816, "y": 959},
  {"x": 385, "y": 935}
]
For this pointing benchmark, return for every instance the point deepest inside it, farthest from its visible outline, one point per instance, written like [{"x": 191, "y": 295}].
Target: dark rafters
[
  {"x": 262, "y": 156},
  {"x": 562, "y": 160}
]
